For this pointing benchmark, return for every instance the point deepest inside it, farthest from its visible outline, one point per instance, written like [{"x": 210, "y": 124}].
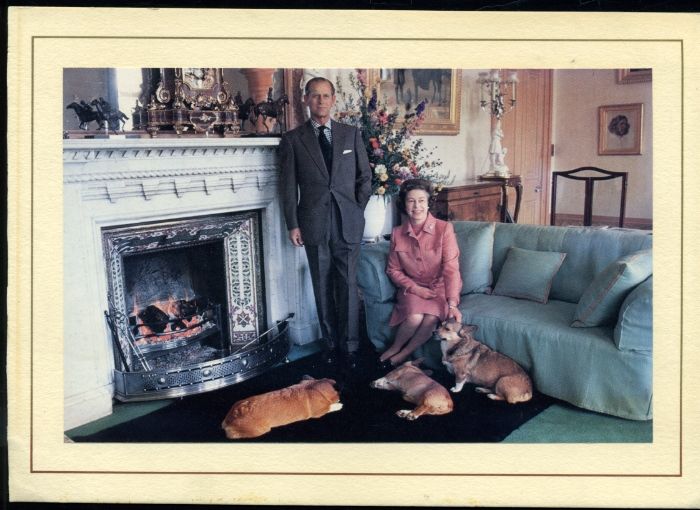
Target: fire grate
[{"x": 193, "y": 367}]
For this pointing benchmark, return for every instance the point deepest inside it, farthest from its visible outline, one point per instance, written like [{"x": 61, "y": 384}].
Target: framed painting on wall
[
  {"x": 620, "y": 129},
  {"x": 441, "y": 88},
  {"x": 633, "y": 75}
]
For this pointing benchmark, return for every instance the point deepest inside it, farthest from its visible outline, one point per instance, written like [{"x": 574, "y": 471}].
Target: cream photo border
[{"x": 43, "y": 468}]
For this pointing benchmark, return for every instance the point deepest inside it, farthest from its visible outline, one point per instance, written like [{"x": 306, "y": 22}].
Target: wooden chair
[{"x": 588, "y": 196}]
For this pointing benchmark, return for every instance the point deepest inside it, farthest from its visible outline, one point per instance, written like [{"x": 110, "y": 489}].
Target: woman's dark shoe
[{"x": 385, "y": 366}]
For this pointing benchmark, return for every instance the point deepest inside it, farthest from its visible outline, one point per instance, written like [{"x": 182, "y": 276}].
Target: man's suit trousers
[{"x": 333, "y": 266}]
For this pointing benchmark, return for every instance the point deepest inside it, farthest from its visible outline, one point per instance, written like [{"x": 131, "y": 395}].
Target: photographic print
[{"x": 197, "y": 319}]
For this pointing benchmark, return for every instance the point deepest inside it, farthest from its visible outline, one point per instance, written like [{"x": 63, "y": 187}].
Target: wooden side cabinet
[{"x": 476, "y": 201}]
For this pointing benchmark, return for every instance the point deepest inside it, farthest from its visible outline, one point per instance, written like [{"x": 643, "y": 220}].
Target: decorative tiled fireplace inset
[{"x": 187, "y": 305}]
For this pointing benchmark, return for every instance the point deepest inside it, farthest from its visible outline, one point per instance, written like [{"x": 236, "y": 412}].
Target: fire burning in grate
[{"x": 171, "y": 320}]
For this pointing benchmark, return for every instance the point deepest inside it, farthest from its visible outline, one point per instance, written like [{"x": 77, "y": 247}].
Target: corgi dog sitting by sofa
[{"x": 470, "y": 361}]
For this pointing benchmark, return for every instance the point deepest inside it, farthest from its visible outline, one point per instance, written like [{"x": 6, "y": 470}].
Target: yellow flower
[
  {"x": 383, "y": 177},
  {"x": 381, "y": 190}
]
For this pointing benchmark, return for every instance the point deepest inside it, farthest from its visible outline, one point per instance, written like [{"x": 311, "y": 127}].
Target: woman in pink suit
[{"x": 423, "y": 263}]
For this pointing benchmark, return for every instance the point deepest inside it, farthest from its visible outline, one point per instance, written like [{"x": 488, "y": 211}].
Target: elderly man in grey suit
[{"x": 325, "y": 185}]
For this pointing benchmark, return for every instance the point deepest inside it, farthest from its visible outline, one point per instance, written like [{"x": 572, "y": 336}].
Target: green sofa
[{"x": 605, "y": 368}]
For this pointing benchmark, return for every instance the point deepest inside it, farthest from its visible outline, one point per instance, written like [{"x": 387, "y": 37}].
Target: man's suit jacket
[{"x": 307, "y": 187}]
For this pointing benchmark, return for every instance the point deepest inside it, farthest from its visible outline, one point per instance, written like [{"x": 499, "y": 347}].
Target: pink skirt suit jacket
[{"x": 430, "y": 258}]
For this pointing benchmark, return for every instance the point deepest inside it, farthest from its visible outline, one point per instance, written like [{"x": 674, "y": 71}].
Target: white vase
[{"x": 375, "y": 217}]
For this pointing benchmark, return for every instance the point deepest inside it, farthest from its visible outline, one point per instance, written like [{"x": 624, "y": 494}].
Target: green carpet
[{"x": 563, "y": 423}]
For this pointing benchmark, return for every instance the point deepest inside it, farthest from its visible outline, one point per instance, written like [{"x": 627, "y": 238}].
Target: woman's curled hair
[{"x": 410, "y": 185}]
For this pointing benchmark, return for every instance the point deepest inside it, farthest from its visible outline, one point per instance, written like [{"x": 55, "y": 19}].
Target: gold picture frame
[
  {"x": 620, "y": 129},
  {"x": 293, "y": 83},
  {"x": 633, "y": 75},
  {"x": 396, "y": 87}
]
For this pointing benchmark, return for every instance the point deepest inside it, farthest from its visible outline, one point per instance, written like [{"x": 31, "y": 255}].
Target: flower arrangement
[{"x": 393, "y": 155}]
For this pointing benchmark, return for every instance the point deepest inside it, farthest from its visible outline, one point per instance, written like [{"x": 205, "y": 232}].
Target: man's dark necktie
[{"x": 326, "y": 148}]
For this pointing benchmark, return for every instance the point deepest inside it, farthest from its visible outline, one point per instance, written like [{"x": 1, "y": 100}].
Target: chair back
[{"x": 590, "y": 181}]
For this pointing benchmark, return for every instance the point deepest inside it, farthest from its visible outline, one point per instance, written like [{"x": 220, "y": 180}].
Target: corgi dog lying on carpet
[
  {"x": 415, "y": 385},
  {"x": 257, "y": 415},
  {"x": 470, "y": 361}
]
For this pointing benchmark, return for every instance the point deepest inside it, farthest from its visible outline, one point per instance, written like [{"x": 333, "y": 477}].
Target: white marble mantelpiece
[{"x": 118, "y": 182}]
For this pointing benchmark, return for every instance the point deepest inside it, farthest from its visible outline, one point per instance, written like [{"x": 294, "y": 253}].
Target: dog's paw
[
  {"x": 455, "y": 389},
  {"x": 405, "y": 413},
  {"x": 335, "y": 407}
]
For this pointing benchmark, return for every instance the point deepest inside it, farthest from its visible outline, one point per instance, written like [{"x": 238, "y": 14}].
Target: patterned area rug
[{"x": 368, "y": 414}]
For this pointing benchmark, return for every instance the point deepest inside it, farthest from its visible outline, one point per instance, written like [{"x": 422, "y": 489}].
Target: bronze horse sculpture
[
  {"x": 271, "y": 109},
  {"x": 245, "y": 110},
  {"x": 85, "y": 114},
  {"x": 115, "y": 119}
]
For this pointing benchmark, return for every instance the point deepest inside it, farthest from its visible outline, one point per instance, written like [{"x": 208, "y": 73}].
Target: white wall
[
  {"x": 466, "y": 154},
  {"x": 577, "y": 96}
]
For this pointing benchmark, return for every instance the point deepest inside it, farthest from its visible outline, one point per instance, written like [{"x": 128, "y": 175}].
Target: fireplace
[
  {"x": 182, "y": 243},
  {"x": 187, "y": 305}
]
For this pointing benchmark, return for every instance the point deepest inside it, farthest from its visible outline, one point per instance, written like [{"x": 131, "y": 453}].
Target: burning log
[
  {"x": 154, "y": 317},
  {"x": 164, "y": 321}
]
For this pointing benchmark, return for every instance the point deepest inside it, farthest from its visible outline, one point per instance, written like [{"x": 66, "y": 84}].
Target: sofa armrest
[
  {"x": 371, "y": 276},
  {"x": 633, "y": 331}
]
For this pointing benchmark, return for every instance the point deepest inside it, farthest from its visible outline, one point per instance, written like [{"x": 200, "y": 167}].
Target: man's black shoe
[
  {"x": 352, "y": 360},
  {"x": 329, "y": 356}
]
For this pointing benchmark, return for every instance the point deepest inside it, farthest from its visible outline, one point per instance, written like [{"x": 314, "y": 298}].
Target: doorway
[{"x": 527, "y": 131}]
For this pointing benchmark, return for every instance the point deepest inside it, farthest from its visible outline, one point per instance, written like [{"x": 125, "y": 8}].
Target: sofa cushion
[
  {"x": 475, "y": 241},
  {"x": 601, "y": 301},
  {"x": 528, "y": 274},
  {"x": 634, "y": 327},
  {"x": 588, "y": 251}
]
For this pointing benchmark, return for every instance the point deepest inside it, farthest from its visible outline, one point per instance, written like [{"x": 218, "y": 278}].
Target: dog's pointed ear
[
  {"x": 307, "y": 377},
  {"x": 417, "y": 362},
  {"x": 468, "y": 329},
  {"x": 428, "y": 372}
]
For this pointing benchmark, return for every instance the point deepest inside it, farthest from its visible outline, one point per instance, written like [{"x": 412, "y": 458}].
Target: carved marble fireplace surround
[{"x": 121, "y": 182}]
